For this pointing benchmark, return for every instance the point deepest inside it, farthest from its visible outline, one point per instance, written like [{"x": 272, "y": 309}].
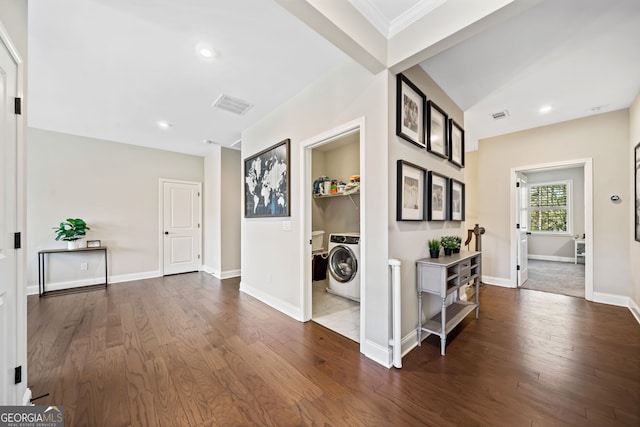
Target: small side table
[
  {"x": 41, "y": 264},
  {"x": 579, "y": 250}
]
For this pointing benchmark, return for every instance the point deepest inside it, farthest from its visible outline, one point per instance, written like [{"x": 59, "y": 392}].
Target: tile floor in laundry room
[{"x": 334, "y": 312}]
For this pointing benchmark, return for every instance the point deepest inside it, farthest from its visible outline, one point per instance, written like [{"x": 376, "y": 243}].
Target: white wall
[
  {"x": 222, "y": 213},
  {"x": 212, "y": 188},
  {"x": 230, "y": 211},
  {"x": 634, "y": 246},
  {"x": 112, "y": 186},
  {"x": 272, "y": 258},
  {"x": 408, "y": 239},
  {"x": 560, "y": 246},
  {"x": 605, "y": 139}
]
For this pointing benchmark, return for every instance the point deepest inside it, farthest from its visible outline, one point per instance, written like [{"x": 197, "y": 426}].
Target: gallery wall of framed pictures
[
  {"x": 421, "y": 194},
  {"x": 423, "y": 123}
]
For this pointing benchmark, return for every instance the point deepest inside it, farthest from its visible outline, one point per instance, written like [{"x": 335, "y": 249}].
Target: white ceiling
[
  {"x": 580, "y": 57},
  {"x": 111, "y": 69}
]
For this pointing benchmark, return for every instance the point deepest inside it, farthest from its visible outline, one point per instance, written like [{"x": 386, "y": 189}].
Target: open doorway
[
  {"x": 333, "y": 279},
  {"x": 553, "y": 219}
]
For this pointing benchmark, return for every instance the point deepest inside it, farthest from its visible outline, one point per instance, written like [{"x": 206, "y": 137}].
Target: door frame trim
[
  {"x": 161, "y": 182},
  {"x": 19, "y": 392},
  {"x": 305, "y": 197},
  {"x": 587, "y": 165}
]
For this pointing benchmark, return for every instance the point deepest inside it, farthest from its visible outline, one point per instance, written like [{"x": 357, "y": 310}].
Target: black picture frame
[
  {"x": 411, "y": 192},
  {"x": 438, "y": 195},
  {"x": 456, "y": 143},
  {"x": 637, "y": 191},
  {"x": 410, "y": 115},
  {"x": 258, "y": 172},
  {"x": 456, "y": 200},
  {"x": 437, "y": 130}
]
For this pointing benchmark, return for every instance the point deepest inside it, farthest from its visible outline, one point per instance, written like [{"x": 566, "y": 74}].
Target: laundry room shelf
[
  {"x": 329, "y": 196},
  {"x": 326, "y": 196}
]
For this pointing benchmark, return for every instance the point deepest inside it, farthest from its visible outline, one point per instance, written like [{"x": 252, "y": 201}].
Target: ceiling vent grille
[
  {"x": 500, "y": 115},
  {"x": 231, "y": 104}
]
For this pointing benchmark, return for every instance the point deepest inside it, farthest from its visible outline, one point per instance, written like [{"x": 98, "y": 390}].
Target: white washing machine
[{"x": 344, "y": 265}]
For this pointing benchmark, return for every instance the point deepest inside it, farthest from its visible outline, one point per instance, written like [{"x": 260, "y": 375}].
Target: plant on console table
[
  {"x": 434, "y": 248},
  {"x": 449, "y": 243},
  {"x": 456, "y": 250},
  {"x": 71, "y": 231}
]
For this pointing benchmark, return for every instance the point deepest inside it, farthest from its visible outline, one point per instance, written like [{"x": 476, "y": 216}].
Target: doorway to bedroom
[{"x": 554, "y": 219}]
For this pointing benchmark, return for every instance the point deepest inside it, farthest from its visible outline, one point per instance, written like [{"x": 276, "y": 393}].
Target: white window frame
[{"x": 569, "y": 207}]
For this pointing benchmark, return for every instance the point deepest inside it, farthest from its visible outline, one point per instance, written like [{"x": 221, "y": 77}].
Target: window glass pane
[
  {"x": 548, "y": 220},
  {"x": 548, "y": 205}
]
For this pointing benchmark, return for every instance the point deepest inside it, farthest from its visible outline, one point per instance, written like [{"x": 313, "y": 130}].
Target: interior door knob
[{"x": 166, "y": 232}]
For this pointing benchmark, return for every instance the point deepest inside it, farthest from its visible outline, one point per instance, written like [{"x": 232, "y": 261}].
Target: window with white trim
[{"x": 550, "y": 208}]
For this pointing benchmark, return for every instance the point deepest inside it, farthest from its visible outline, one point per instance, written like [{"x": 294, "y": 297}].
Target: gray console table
[
  {"x": 41, "y": 264},
  {"x": 444, "y": 276}
]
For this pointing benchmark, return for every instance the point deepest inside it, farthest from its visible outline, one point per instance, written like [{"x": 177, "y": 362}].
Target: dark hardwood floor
[{"x": 190, "y": 350}]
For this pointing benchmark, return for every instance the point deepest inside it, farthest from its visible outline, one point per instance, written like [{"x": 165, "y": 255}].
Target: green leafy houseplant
[
  {"x": 434, "y": 248},
  {"x": 458, "y": 244},
  {"x": 449, "y": 243},
  {"x": 71, "y": 230}
]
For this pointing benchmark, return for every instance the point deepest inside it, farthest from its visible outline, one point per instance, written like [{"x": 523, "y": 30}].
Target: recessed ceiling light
[
  {"x": 544, "y": 109},
  {"x": 205, "y": 51},
  {"x": 164, "y": 124}
]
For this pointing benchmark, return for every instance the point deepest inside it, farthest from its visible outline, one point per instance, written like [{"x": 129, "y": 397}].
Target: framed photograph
[
  {"x": 411, "y": 192},
  {"x": 456, "y": 144},
  {"x": 456, "y": 200},
  {"x": 637, "y": 191},
  {"x": 437, "y": 142},
  {"x": 438, "y": 196},
  {"x": 410, "y": 111},
  {"x": 267, "y": 182},
  {"x": 93, "y": 243}
]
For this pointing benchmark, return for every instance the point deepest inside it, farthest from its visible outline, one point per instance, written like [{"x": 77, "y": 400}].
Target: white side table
[{"x": 580, "y": 249}]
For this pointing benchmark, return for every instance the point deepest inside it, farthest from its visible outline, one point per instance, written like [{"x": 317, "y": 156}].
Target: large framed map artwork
[{"x": 267, "y": 182}]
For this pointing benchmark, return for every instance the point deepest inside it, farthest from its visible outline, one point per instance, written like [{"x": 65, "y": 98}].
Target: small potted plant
[
  {"x": 456, "y": 250},
  {"x": 449, "y": 244},
  {"x": 434, "y": 248},
  {"x": 71, "y": 231}
]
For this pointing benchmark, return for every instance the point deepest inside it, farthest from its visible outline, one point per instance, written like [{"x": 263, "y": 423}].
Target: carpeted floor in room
[{"x": 556, "y": 277}]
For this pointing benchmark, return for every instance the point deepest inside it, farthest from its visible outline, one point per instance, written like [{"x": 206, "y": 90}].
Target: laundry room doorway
[{"x": 333, "y": 280}]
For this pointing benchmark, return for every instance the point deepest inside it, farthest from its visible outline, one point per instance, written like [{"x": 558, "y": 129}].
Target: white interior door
[
  {"x": 181, "y": 227},
  {"x": 522, "y": 214},
  {"x": 9, "y": 322}
]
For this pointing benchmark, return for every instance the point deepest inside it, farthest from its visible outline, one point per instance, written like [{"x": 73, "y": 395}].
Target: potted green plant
[
  {"x": 434, "y": 248},
  {"x": 456, "y": 250},
  {"x": 70, "y": 231},
  {"x": 449, "y": 244}
]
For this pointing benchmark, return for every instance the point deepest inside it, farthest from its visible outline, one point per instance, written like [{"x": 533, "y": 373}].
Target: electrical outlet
[{"x": 83, "y": 266}]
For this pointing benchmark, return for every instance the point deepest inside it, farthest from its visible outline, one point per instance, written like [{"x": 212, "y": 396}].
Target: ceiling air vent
[
  {"x": 233, "y": 105},
  {"x": 500, "y": 115}
]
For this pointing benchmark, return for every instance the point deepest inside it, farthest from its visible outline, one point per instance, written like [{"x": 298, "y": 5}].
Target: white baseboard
[
  {"x": 497, "y": 281},
  {"x": 635, "y": 309},
  {"x": 611, "y": 299},
  {"x": 378, "y": 353},
  {"x": 56, "y": 286},
  {"x": 282, "y": 306},
  {"x": 134, "y": 276},
  {"x": 221, "y": 274},
  {"x": 552, "y": 258},
  {"x": 26, "y": 397}
]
